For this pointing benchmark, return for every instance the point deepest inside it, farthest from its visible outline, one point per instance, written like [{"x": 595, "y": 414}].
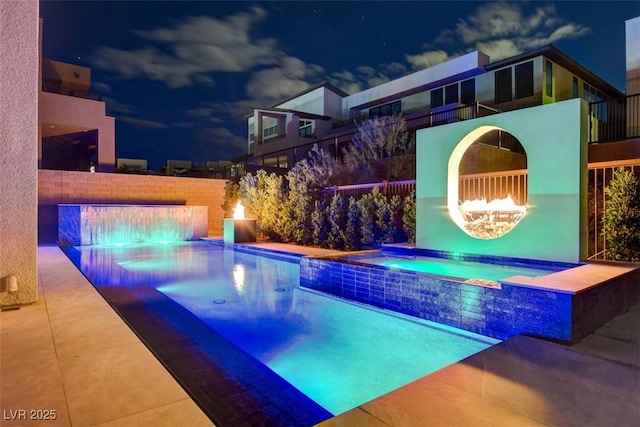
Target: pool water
[
  {"x": 453, "y": 268},
  {"x": 338, "y": 353}
]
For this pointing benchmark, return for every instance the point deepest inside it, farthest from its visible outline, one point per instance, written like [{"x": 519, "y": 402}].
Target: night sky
[{"x": 179, "y": 76}]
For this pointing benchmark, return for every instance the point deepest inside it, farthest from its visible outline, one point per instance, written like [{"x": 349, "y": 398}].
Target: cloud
[
  {"x": 184, "y": 54},
  {"x": 100, "y": 87},
  {"x": 500, "y": 29},
  {"x": 114, "y": 106},
  {"x": 427, "y": 59},
  {"x": 366, "y": 76},
  {"x": 147, "y": 124},
  {"x": 200, "y": 112},
  {"x": 223, "y": 137},
  {"x": 290, "y": 77}
]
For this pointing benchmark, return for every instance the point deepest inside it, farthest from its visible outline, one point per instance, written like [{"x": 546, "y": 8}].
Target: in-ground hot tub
[
  {"x": 94, "y": 224},
  {"x": 557, "y": 301}
]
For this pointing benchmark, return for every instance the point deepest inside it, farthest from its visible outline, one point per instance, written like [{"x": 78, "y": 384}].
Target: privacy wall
[{"x": 554, "y": 226}]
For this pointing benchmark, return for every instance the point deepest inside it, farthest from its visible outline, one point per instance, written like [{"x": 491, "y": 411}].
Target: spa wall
[{"x": 56, "y": 187}]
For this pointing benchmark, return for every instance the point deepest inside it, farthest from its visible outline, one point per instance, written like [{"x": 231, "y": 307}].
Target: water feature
[{"x": 84, "y": 224}]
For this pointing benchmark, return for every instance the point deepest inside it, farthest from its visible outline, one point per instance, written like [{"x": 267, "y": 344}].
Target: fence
[
  {"x": 495, "y": 185},
  {"x": 600, "y": 175},
  {"x": 614, "y": 119}
]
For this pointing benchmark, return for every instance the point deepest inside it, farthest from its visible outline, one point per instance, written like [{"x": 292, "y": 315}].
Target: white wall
[
  {"x": 465, "y": 63},
  {"x": 554, "y": 227},
  {"x": 19, "y": 68}
]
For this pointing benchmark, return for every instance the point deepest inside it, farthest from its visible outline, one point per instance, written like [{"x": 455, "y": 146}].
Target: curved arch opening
[{"x": 487, "y": 183}]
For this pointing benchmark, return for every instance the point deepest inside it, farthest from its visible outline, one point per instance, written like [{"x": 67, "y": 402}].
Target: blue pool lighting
[{"x": 338, "y": 353}]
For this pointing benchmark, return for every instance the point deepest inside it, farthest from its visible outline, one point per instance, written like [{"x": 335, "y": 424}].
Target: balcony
[
  {"x": 614, "y": 119},
  {"x": 70, "y": 91}
]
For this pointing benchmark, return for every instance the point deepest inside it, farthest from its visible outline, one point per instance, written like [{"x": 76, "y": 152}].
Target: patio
[{"x": 71, "y": 353}]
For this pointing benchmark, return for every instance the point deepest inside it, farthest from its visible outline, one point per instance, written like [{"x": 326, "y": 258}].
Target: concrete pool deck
[{"x": 71, "y": 353}]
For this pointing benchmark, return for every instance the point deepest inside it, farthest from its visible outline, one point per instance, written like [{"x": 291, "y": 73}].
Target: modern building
[
  {"x": 75, "y": 132},
  {"x": 462, "y": 88}
]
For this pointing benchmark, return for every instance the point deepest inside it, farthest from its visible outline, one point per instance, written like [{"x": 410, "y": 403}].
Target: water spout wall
[{"x": 81, "y": 224}]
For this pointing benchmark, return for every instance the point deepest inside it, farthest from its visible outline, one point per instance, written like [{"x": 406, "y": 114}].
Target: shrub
[
  {"x": 353, "y": 229},
  {"x": 621, "y": 219},
  {"x": 297, "y": 209},
  {"x": 409, "y": 217},
  {"x": 377, "y": 218},
  {"x": 377, "y": 150},
  {"x": 264, "y": 197},
  {"x": 231, "y": 197},
  {"x": 338, "y": 218},
  {"x": 320, "y": 223}
]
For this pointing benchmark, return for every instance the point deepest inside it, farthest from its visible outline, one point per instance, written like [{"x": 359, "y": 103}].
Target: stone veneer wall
[
  {"x": 19, "y": 68},
  {"x": 56, "y": 187}
]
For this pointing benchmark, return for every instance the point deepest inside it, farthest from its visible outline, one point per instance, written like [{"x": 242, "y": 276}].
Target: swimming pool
[
  {"x": 454, "y": 268},
  {"x": 338, "y": 353}
]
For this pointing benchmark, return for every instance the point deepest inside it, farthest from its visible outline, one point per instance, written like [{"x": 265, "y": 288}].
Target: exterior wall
[
  {"x": 63, "y": 74},
  {"x": 632, "y": 29},
  {"x": 85, "y": 113},
  {"x": 56, "y": 187},
  {"x": 19, "y": 68},
  {"x": 471, "y": 63},
  {"x": 554, "y": 227},
  {"x": 311, "y": 102}
]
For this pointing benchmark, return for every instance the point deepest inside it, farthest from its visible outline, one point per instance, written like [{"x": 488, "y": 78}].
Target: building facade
[
  {"x": 466, "y": 87},
  {"x": 75, "y": 132}
]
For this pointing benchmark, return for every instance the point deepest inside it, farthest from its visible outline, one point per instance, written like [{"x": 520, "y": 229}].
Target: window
[
  {"x": 305, "y": 128},
  {"x": 385, "y": 110},
  {"x": 503, "y": 85},
  {"x": 575, "y": 87},
  {"x": 524, "y": 80},
  {"x": 451, "y": 94},
  {"x": 549, "y": 79},
  {"x": 468, "y": 91},
  {"x": 270, "y": 133},
  {"x": 437, "y": 100}
]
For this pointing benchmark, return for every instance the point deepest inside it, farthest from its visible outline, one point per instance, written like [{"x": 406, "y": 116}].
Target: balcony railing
[
  {"x": 614, "y": 119},
  {"x": 70, "y": 91},
  {"x": 419, "y": 118}
]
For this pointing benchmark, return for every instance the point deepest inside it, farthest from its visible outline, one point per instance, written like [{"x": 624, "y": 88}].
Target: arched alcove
[{"x": 487, "y": 183}]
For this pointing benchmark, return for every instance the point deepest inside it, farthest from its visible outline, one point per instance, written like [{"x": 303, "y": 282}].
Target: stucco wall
[
  {"x": 19, "y": 65},
  {"x": 86, "y": 113},
  {"x": 554, "y": 227},
  {"x": 56, "y": 187}
]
